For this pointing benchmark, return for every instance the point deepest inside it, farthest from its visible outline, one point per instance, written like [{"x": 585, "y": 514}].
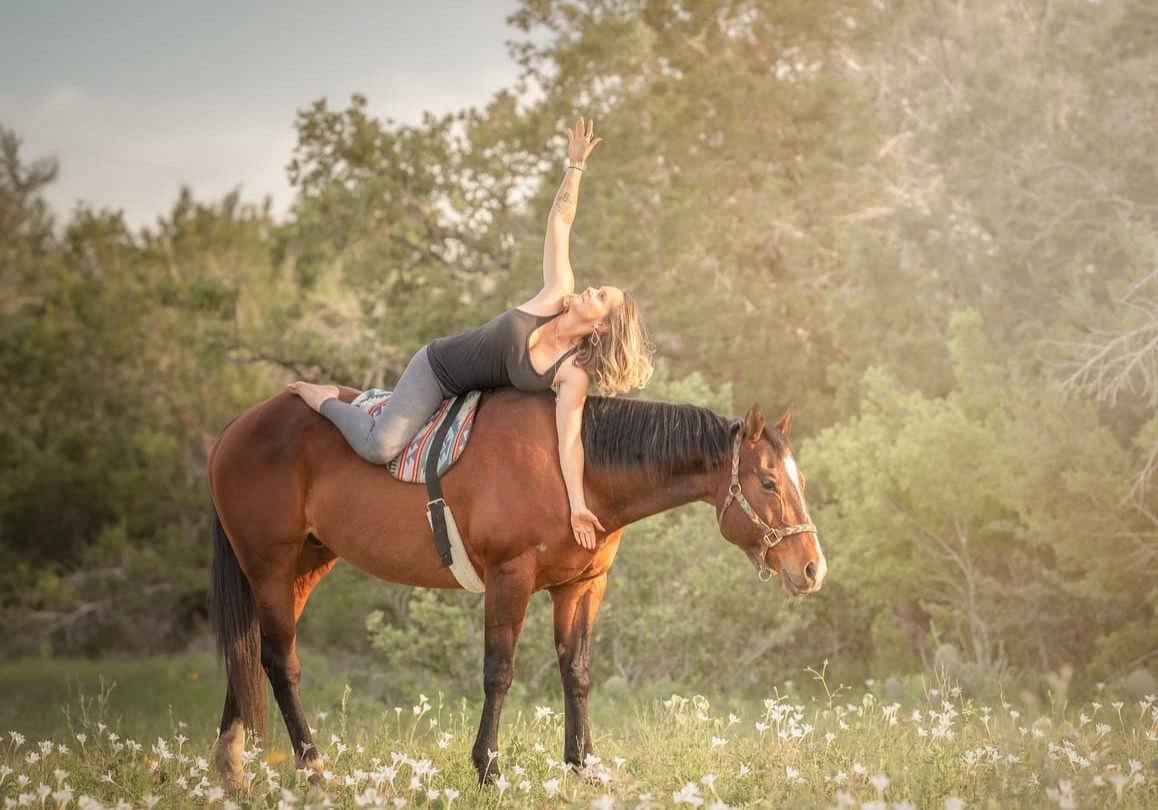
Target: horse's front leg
[
  {"x": 576, "y": 606},
  {"x": 508, "y": 589}
]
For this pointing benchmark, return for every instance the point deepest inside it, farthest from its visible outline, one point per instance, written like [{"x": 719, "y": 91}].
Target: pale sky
[{"x": 136, "y": 97}]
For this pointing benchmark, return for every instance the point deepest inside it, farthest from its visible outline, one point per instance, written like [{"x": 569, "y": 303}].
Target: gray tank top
[{"x": 493, "y": 355}]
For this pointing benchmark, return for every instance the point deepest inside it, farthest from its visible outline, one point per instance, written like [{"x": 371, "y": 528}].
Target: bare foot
[{"x": 311, "y": 394}]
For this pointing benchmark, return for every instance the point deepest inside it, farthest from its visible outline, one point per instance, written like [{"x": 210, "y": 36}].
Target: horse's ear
[
  {"x": 754, "y": 424},
  {"x": 785, "y": 423}
]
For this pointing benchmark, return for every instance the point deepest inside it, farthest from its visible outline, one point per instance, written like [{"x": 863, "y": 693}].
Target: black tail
[{"x": 231, "y": 611}]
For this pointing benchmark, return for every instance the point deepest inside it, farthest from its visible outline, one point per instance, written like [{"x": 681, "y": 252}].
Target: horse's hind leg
[
  {"x": 278, "y": 613},
  {"x": 227, "y": 753}
]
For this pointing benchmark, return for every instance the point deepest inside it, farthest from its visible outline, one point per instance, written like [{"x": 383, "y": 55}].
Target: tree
[{"x": 983, "y": 512}]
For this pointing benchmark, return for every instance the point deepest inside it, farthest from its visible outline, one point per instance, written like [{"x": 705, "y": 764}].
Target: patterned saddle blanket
[{"x": 410, "y": 465}]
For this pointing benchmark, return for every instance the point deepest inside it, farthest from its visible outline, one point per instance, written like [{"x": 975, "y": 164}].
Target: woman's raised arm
[{"x": 558, "y": 278}]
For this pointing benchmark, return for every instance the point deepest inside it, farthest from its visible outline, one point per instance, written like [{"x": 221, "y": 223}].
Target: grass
[{"x": 139, "y": 733}]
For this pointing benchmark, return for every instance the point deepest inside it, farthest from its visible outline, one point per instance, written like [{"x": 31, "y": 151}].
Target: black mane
[{"x": 664, "y": 438}]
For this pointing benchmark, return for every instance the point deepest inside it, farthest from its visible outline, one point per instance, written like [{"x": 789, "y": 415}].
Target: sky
[{"x": 137, "y": 97}]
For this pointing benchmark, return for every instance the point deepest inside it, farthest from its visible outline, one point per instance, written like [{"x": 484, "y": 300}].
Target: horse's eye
[{"x": 768, "y": 484}]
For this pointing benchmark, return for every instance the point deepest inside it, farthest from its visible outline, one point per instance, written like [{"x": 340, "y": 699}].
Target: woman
[{"x": 598, "y": 332}]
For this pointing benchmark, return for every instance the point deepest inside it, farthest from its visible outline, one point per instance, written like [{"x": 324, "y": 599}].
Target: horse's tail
[{"x": 231, "y": 610}]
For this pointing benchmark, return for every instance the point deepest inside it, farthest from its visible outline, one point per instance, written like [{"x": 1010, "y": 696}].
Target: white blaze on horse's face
[{"x": 794, "y": 476}]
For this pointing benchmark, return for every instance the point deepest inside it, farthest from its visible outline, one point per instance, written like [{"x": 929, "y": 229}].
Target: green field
[{"x": 139, "y": 733}]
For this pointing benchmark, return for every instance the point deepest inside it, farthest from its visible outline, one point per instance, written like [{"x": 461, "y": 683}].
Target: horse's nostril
[{"x": 810, "y": 571}]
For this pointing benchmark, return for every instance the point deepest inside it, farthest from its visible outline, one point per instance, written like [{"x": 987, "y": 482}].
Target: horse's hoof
[
  {"x": 489, "y": 775},
  {"x": 315, "y": 771},
  {"x": 227, "y": 757},
  {"x": 233, "y": 781}
]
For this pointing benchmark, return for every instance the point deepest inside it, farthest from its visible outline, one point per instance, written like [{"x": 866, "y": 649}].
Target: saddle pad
[{"x": 410, "y": 465}]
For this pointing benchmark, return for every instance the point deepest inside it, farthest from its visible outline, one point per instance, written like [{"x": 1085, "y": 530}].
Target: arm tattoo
[{"x": 566, "y": 198}]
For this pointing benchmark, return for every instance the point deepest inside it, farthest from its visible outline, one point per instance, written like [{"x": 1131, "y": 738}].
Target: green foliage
[
  {"x": 931, "y": 231},
  {"x": 974, "y": 510}
]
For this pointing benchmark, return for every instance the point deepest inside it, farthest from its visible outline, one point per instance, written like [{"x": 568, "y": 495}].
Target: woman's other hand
[
  {"x": 581, "y": 142},
  {"x": 583, "y": 524}
]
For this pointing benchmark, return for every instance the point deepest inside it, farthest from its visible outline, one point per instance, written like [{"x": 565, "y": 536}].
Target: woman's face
[{"x": 594, "y": 304}]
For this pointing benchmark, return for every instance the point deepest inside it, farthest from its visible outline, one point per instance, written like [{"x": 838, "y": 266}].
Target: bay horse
[{"x": 292, "y": 498}]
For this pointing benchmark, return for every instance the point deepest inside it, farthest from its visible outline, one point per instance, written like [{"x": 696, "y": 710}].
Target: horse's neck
[{"x": 634, "y": 497}]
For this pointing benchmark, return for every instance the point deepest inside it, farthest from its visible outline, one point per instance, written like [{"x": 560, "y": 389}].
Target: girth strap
[{"x": 435, "y": 504}]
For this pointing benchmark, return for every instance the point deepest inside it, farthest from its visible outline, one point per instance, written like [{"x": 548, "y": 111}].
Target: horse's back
[{"x": 281, "y": 472}]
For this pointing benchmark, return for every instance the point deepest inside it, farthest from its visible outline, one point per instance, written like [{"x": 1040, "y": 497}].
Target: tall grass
[{"x": 145, "y": 742}]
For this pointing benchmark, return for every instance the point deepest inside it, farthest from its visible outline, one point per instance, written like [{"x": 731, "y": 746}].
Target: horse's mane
[{"x": 664, "y": 438}]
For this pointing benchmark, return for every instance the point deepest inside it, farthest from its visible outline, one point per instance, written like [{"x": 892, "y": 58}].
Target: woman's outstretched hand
[
  {"x": 583, "y": 524},
  {"x": 581, "y": 142}
]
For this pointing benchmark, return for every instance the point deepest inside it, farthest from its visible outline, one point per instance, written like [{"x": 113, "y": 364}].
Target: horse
[{"x": 291, "y": 498}]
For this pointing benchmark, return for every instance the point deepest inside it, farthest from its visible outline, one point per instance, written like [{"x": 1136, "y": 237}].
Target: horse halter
[{"x": 772, "y": 535}]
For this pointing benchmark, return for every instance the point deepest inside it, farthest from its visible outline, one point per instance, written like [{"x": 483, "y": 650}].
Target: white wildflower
[{"x": 689, "y": 794}]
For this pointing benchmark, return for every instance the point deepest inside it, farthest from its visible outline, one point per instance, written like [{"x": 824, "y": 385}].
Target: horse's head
[{"x": 761, "y": 506}]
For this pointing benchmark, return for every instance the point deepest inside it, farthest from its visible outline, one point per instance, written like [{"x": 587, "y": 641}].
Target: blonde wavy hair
[{"x": 619, "y": 359}]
